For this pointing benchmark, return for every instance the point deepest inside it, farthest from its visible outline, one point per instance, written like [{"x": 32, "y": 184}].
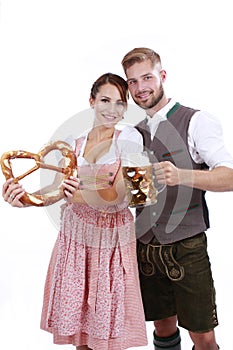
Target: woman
[{"x": 92, "y": 296}]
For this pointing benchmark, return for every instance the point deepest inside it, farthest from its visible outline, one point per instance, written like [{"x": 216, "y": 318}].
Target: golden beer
[{"x": 139, "y": 184}]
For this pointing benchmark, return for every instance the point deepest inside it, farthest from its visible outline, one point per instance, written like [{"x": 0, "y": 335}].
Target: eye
[
  {"x": 104, "y": 100},
  {"x": 120, "y": 103},
  {"x": 148, "y": 77},
  {"x": 131, "y": 82}
]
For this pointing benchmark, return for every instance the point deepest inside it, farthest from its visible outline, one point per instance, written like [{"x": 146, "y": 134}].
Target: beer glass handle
[{"x": 159, "y": 187}]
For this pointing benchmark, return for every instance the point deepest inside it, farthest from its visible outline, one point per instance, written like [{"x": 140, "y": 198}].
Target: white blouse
[{"x": 129, "y": 141}]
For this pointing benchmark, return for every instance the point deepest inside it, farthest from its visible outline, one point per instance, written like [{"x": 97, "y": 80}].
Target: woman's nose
[{"x": 112, "y": 107}]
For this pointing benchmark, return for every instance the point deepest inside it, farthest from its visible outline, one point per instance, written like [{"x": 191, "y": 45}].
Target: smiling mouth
[
  {"x": 143, "y": 96},
  {"x": 110, "y": 117}
]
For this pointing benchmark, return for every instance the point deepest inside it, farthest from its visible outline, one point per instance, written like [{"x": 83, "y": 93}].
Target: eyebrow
[
  {"x": 109, "y": 98},
  {"x": 141, "y": 76}
]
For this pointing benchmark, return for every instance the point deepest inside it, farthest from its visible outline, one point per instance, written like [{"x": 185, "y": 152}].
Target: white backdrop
[{"x": 51, "y": 51}]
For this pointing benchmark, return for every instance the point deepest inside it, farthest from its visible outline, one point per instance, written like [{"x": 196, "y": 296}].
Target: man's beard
[{"x": 155, "y": 100}]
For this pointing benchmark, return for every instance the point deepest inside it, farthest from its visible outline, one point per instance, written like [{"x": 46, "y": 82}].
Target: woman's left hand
[{"x": 71, "y": 185}]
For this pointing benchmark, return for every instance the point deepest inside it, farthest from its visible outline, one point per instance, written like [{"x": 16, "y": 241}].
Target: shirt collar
[{"x": 162, "y": 113}]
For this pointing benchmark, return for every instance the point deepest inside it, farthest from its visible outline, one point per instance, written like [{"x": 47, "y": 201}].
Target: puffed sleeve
[{"x": 130, "y": 141}]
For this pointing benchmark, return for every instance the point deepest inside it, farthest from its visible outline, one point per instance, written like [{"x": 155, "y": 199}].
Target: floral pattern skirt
[{"x": 92, "y": 293}]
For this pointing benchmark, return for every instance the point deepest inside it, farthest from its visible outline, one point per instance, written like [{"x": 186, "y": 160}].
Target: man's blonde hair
[{"x": 138, "y": 55}]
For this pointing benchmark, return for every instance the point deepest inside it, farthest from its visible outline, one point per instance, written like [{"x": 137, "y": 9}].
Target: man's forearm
[{"x": 219, "y": 179}]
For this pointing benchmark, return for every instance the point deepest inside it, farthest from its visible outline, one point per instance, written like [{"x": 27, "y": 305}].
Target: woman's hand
[
  {"x": 12, "y": 192},
  {"x": 71, "y": 186}
]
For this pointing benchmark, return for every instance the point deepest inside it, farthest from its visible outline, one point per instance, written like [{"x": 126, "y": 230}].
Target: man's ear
[{"x": 163, "y": 75}]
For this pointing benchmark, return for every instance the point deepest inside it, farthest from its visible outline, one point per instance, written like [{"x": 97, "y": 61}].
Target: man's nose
[{"x": 140, "y": 85}]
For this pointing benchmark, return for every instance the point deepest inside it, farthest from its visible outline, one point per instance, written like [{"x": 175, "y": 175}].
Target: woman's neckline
[{"x": 82, "y": 151}]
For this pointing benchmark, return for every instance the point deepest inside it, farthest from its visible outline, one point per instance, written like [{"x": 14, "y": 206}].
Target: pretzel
[{"x": 53, "y": 195}]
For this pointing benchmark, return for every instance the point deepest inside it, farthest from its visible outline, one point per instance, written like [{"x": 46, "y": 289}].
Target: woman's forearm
[{"x": 108, "y": 196}]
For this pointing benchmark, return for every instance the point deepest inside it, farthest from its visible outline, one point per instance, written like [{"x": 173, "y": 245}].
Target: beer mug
[{"x": 139, "y": 180}]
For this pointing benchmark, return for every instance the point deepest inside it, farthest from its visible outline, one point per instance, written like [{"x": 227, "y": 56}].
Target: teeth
[
  {"x": 109, "y": 117},
  {"x": 143, "y": 96}
]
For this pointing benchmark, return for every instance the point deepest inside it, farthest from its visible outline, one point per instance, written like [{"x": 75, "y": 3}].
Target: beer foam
[{"x": 135, "y": 159}]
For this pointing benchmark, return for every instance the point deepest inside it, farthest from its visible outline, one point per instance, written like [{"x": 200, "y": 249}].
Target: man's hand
[{"x": 166, "y": 173}]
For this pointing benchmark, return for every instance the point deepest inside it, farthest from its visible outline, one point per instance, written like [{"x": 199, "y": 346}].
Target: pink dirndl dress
[{"x": 92, "y": 293}]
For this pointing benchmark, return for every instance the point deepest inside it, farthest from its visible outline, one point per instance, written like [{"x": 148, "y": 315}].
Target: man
[{"x": 175, "y": 275}]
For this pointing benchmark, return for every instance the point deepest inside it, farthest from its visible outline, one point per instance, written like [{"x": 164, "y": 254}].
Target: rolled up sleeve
[{"x": 206, "y": 143}]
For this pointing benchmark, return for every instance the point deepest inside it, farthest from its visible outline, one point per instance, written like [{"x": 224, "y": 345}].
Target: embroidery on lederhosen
[
  {"x": 174, "y": 270},
  {"x": 147, "y": 261},
  {"x": 146, "y": 265}
]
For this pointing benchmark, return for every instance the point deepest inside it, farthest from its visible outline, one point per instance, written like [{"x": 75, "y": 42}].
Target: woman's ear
[{"x": 92, "y": 102}]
